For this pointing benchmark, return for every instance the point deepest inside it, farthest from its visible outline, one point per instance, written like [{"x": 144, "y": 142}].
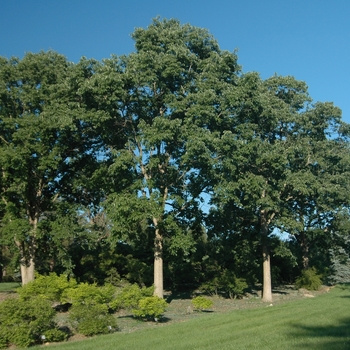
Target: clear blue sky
[{"x": 308, "y": 39}]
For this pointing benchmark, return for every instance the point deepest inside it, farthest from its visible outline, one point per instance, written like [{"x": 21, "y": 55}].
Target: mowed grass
[
  {"x": 9, "y": 286},
  {"x": 318, "y": 323}
]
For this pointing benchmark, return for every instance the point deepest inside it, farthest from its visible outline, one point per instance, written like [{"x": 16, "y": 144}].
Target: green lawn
[
  {"x": 9, "y": 286},
  {"x": 321, "y": 323}
]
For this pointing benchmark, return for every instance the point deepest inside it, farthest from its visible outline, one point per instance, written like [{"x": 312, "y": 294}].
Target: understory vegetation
[{"x": 319, "y": 323}]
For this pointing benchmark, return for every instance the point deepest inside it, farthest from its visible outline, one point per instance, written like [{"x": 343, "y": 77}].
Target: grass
[
  {"x": 9, "y": 286},
  {"x": 318, "y": 323}
]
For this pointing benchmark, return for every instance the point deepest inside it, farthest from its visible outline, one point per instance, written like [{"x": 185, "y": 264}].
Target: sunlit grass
[{"x": 312, "y": 323}]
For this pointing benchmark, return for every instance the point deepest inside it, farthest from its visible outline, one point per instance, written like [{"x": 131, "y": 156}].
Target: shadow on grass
[
  {"x": 275, "y": 291},
  {"x": 178, "y": 296},
  {"x": 339, "y": 336},
  {"x": 162, "y": 319}
]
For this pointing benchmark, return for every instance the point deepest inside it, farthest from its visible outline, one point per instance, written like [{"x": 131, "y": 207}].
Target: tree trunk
[
  {"x": 27, "y": 271},
  {"x": 267, "y": 289},
  {"x": 305, "y": 250},
  {"x": 27, "y": 250},
  {"x": 158, "y": 262}
]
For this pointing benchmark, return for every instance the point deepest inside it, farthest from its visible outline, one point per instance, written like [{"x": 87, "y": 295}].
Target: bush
[
  {"x": 309, "y": 279},
  {"x": 211, "y": 287},
  {"x": 227, "y": 284},
  {"x": 49, "y": 287},
  {"x": 130, "y": 296},
  {"x": 232, "y": 285},
  {"x": 89, "y": 294},
  {"x": 92, "y": 319},
  {"x": 23, "y": 322},
  {"x": 55, "y": 335},
  {"x": 150, "y": 307},
  {"x": 201, "y": 303}
]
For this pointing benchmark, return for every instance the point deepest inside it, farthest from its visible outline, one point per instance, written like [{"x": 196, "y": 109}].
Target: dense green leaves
[{"x": 106, "y": 163}]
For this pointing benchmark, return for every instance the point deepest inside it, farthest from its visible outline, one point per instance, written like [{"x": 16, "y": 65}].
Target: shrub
[
  {"x": 24, "y": 321},
  {"x": 201, "y": 303},
  {"x": 211, "y": 287},
  {"x": 55, "y": 335},
  {"x": 226, "y": 283},
  {"x": 89, "y": 294},
  {"x": 309, "y": 279},
  {"x": 130, "y": 296},
  {"x": 92, "y": 319},
  {"x": 340, "y": 267},
  {"x": 232, "y": 285},
  {"x": 150, "y": 307},
  {"x": 49, "y": 287}
]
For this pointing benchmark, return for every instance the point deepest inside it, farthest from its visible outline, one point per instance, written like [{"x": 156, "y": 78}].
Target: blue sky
[{"x": 308, "y": 39}]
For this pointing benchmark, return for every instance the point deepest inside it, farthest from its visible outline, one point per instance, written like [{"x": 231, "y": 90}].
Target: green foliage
[
  {"x": 201, "y": 303},
  {"x": 150, "y": 133},
  {"x": 24, "y": 321},
  {"x": 51, "y": 287},
  {"x": 211, "y": 287},
  {"x": 129, "y": 297},
  {"x": 232, "y": 285},
  {"x": 55, "y": 335},
  {"x": 226, "y": 283},
  {"x": 92, "y": 319},
  {"x": 89, "y": 294},
  {"x": 150, "y": 307},
  {"x": 309, "y": 279}
]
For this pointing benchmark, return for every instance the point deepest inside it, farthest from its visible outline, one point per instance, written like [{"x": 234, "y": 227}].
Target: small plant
[
  {"x": 309, "y": 279},
  {"x": 130, "y": 296},
  {"x": 24, "y": 321},
  {"x": 89, "y": 294},
  {"x": 211, "y": 287},
  {"x": 92, "y": 319},
  {"x": 227, "y": 283},
  {"x": 233, "y": 285},
  {"x": 201, "y": 303},
  {"x": 54, "y": 335},
  {"x": 150, "y": 307},
  {"x": 48, "y": 287}
]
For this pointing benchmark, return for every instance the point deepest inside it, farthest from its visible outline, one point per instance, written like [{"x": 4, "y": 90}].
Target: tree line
[{"x": 172, "y": 159}]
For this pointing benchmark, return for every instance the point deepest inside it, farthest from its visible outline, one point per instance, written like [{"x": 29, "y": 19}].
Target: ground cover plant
[{"x": 322, "y": 322}]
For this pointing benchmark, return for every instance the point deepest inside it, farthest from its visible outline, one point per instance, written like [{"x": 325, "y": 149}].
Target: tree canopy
[{"x": 170, "y": 156}]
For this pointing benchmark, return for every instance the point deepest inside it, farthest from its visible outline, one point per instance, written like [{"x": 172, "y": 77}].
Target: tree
[
  {"x": 48, "y": 147},
  {"x": 177, "y": 82},
  {"x": 258, "y": 172},
  {"x": 319, "y": 176}
]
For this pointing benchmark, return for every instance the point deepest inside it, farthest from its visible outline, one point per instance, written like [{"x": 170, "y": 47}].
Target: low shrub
[
  {"x": 233, "y": 285},
  {"x": 50, "y": 287},
  {"x": 201, "y": 303},
  {"x": 23, "y": 322},
  {"x": 54, "y": 335},
  {"x": 150, "y": 307},
  {"x": 129, "y": 297},
  {"x": 227, "y": 283},
  {"x": 89, "y": 294},
  {"x": 309, "y": 279},
  {"x": 211, "y": 287},
  {"x": 92, "y": 319}
]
